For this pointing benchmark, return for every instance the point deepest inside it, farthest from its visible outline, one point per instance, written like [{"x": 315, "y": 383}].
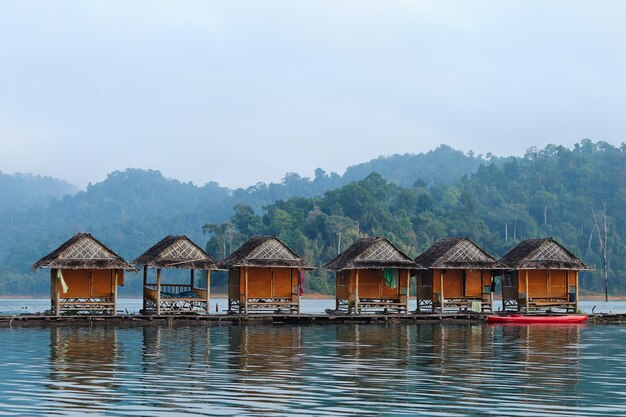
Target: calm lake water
[{"x": 375, "y": 369}]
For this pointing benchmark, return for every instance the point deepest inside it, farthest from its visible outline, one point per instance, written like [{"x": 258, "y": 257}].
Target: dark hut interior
[{"x": 177, "y": 253}]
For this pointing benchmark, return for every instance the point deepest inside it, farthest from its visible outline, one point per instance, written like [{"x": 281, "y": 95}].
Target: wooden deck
[{"x": 218, "y": 319}]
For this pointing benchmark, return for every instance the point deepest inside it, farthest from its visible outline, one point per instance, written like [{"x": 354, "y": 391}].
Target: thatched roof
[
  {"x": 176, "y": 252},
  {"x": 264, "y": 251},
  {"x": 457, "y": 253},
  {"x": 82, "y": 251},
  {"x": 371, "y": 253},
  {"x": 544, "y": 253}
]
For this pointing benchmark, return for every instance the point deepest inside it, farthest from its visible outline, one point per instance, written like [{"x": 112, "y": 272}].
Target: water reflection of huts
[
  {"x": 372, "y": 274},
  {"x": 266, "y": 350},
  {"x": 460, "y": 275},
  {"x": 178, "y": 253},
  {"x": 267, "y": 365},
  {"x": 84, "y": 276},
  {"x": 544, "y": 354},
  {"x": 83, "y": 362},
  {"x": 264, "y": 275},
  {"x": 543, "y": 275}
]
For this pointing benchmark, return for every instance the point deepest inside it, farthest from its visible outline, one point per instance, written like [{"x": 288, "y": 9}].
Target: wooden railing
[{"x": 150, "y": 290}]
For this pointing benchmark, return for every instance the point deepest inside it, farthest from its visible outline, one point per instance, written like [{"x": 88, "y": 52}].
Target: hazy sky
[{"x": 244, "y": 91}]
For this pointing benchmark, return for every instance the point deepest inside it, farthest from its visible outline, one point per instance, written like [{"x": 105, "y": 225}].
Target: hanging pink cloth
[{"x": 301, "y": 282}]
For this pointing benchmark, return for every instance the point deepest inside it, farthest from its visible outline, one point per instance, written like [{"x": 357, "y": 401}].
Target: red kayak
[{"x": 521, "y": 319}]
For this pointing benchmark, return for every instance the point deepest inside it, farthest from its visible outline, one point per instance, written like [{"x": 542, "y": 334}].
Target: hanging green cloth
[
  {"x": 391, "y": 277},
  {"x": 63, "y": 284}
]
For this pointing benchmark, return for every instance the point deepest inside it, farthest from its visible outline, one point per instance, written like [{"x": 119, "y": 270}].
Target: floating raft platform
[
  {"x": 27, "y": 320},
  {"x": 227, "y": 319}
]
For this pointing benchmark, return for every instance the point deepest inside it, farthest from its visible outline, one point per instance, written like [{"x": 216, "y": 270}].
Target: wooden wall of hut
[
  {"x": 540, "y": 289},
  {"x": 461, "y": 287},
  {"x": 93, "y": 290},
  {"x": 360, "y": 290},
  {"x": 263, "y": 289}
]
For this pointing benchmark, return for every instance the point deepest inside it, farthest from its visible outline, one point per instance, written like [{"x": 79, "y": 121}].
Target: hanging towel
[
  {"x": 476, "y": 306},
  {"x": 63, "y": 284},
  {"x": 301, "y": 282},
  {"x": 391, "y": 277}
]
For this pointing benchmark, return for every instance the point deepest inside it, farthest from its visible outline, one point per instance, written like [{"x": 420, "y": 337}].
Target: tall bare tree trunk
[{"x": 602, "y": 237}]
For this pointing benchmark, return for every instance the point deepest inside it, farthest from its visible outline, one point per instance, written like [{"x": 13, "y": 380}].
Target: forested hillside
[
  {"x": 549, "y": 192},
  {"x": 133, "y": 209}
]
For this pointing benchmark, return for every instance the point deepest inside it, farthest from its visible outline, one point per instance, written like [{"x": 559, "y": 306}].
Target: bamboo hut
[
  {"x": 84, "y": 276},
  {"x": 542, "y": 275},
  {"x": 264, "y": 275},
  {"x": 372, "y": 274},
  {"x": 175, "y": 252},
  {"x": 460, "y": 276}
]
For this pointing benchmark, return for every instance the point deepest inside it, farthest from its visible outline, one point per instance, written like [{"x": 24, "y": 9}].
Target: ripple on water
[{"x": 392, "y": 369}]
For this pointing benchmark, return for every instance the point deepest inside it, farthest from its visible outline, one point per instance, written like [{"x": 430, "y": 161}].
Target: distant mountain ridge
[{"x": 26, "y": 190}]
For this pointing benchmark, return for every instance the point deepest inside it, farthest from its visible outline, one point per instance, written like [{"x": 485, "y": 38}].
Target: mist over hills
[
  {"x": 131, "y": 210},
  {"x": 412, "y": 199},
  {"x": 19, "y": 191}
]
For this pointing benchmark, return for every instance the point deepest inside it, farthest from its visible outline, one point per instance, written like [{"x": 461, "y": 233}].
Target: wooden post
[
  {"x": 54, "y": 296},
  {"x": 526, "y": 291},
  {"x": 576, "y": 284},
  {"x": 380, "y": 283},
  {"x": 208, "y": 291},
  {"x": 158, "y": 297},
  {"x": 295, "y": 289},
  {"x": 245, "y": 290},
  {"x": 408, "y": 290},
  {"x": 337, "y": 275},
  {"x": 145, "y": 283},
  {"x": 191, "y": 278},
  {"x": 114, "y": 292},
  {"x": 491, "y": 278},
  {"x": 441, "y": 289},
  {"x": 356, "y": 292}
]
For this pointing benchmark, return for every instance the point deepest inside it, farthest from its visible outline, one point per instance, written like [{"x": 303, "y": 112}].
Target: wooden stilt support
[
  {"x": 114, "y": 312},
  {"x": 526, "y": 291},
  {"x": 407, "y": 296},
  {"x": 356, "y": 293},
  {"x": 54, "y": 292},
  {"x": 158, "y": 294},
  {"x": 576, "y": 284},
  {"x": 208, "y": 291},
  {"x": 441, "y": 299},
  {"x": 245, "y": 291},
  {"x": 145, "y": 283}
]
